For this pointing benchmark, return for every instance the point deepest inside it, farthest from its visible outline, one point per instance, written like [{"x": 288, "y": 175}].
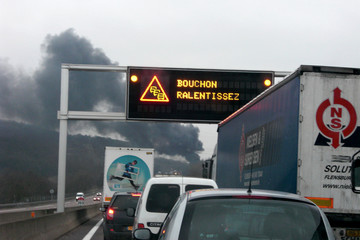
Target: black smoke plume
[{"x": 35, "y": 99}]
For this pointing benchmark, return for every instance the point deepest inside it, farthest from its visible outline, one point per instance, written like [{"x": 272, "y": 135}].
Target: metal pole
[
  {"x": 64, "y": 115},
  {"x": 62, "y": 166},
  {"x": 64, "y": 92}
]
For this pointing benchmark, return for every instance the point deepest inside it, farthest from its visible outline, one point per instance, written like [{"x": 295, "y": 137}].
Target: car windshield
[
  {"x": 122, "y": 202},
  {"x": 245, "y": 219}
]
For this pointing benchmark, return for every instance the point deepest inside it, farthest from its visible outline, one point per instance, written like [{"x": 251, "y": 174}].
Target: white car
[
  {"x": 160, "y": 195},
  {"x": 241, "y": 214},
  {"x": 79, "y": 195}
]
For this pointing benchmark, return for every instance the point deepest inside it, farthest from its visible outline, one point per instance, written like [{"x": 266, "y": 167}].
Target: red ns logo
[{"x": 338, "y": 125}]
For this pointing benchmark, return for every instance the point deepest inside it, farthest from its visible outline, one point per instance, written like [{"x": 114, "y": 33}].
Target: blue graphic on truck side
[{"x": 127, "y": 173}]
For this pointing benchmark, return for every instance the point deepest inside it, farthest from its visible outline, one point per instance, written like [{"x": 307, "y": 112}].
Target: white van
[{"x": 160, "y": 195}]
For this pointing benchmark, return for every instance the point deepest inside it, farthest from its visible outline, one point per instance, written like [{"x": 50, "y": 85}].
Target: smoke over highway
[{"x": 35, "y": 99}]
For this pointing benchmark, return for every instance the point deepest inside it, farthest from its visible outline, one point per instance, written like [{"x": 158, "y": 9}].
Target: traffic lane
[{"x": 91, "y": 229}]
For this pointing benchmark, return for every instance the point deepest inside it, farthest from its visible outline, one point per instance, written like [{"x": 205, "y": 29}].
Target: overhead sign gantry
[{"x": 164, "y": 94}]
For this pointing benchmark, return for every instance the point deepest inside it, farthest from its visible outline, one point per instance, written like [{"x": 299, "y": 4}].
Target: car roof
[
  {"x": 182, "y": 180},
  {"x": 223, "y": 192}
]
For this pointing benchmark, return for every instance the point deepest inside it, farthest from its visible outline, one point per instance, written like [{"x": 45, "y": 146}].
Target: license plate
[
  {"x": 347, "y": 233},
  {"x": 130, "y": 228},
  {"x": 353, "y": 233}
]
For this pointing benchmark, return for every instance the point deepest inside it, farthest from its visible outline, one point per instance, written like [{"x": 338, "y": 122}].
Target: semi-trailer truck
[{"x": 298, "y": 136}]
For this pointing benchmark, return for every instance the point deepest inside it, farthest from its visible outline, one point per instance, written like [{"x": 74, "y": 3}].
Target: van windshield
[
  {"x": 162, "y": 197},
  {"x": 236, "y": 218}
]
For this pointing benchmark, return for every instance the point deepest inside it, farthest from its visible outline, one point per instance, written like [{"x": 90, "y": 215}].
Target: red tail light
[
  {"x": 110, "y": 214},
  {"x": 141, "y": 225},
  {"x": 136, "y": 194}
]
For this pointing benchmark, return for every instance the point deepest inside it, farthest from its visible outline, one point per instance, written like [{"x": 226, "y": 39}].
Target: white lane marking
[{"x": 93, "y": 230}]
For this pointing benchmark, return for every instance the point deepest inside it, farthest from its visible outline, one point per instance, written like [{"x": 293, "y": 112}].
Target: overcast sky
[{"x": 277, "y": 35}]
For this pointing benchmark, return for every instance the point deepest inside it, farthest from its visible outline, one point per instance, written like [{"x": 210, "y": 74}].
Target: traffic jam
[{"x": 265, "y": 180}]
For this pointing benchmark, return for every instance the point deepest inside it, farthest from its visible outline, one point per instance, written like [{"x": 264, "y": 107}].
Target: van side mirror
[
  {"x": 130, "y": 212},
  {"x": 102, "y": 209},
  {"x": 355, "y": 173},
  {"x": 142, "y": 234}
]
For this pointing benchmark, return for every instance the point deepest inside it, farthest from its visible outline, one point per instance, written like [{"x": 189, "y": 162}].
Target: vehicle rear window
[
  {"x": 162, "y": 197},
  {"x": 122, "y": 202},
  {"x": 195, "y": 186},
  {"x": 231, "y": 218}
]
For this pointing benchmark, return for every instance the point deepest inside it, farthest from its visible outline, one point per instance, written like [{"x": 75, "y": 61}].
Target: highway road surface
[{"x": 91, "y": 229}]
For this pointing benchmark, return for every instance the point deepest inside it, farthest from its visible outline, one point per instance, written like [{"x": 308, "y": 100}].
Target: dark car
[{"x": 119, "y": 216}]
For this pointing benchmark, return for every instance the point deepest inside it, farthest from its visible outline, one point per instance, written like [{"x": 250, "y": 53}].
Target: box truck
[
  {"x": 298, "y": 136},
  {"x": 126, "y": 170}
]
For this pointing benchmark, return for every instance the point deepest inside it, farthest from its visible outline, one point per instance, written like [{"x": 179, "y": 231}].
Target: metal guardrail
[
  {"x": 69, "y": 196},
  {"x": 29, "y": 204}
]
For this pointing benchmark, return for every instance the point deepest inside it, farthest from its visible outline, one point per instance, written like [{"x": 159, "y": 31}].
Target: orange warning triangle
[{"x": 154, "y": 92}]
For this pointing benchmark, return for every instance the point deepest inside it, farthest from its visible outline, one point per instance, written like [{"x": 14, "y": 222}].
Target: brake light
[
  {"x": 110, "y": 214},
  {"x": 141, "y": 225},
  {"x": 136, "y": 194}
]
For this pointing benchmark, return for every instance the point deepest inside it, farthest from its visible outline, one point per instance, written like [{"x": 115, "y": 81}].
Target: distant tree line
[{"x": 29, "y": 163}]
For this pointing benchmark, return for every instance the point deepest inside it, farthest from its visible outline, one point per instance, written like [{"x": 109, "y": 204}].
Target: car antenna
[{"x": 251, "y": 169}]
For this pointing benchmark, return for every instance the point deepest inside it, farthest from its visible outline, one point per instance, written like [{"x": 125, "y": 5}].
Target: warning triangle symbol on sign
[{"x": 154, "y": 92}]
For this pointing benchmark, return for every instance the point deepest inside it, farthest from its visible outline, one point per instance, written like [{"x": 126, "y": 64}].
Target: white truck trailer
[{"x": 126, "y": 170}]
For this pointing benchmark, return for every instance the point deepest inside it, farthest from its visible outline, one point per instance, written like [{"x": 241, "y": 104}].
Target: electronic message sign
[{"x": 191, "y": 95}]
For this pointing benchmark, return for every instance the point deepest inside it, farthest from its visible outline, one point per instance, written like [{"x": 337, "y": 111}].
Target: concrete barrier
[
  {"x": 17, "y": 216},
  {"x": 49, "y": 226}
]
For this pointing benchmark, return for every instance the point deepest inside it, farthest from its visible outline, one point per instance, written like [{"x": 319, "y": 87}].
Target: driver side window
[{"x": 168, "y": 224}]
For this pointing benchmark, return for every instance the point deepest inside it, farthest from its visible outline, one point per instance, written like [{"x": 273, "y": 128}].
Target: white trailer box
[{"x": 126, "y": 170}]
